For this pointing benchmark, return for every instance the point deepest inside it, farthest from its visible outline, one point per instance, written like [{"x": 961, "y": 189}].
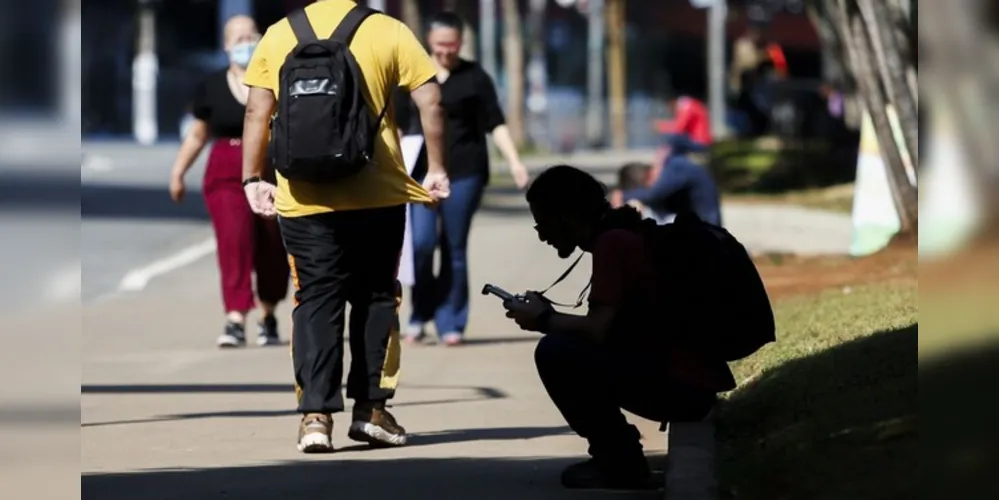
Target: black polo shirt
[{"x": 472, "y": 111}]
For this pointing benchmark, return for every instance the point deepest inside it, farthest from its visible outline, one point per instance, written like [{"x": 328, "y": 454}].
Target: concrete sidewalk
[{"x": 167, "y": 416}]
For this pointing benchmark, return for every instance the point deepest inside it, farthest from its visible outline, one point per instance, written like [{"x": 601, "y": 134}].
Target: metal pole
[
  {"x": 596, "y": 42},
  {"x": 71, "y": 64},
  {"x": 377, "y": 4},
  {"x": 145, "y": 69},
  {"x": 716, "y": 67},
  {"x": 537, "y": 72},
  {"x": 487, "y": 35}
]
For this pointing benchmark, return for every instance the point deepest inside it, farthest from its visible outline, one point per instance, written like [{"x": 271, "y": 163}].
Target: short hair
[
  {"x": 632, "y": 175},
  {"x": 447, "y": 19},
  {"x": 569, "y": 190}
]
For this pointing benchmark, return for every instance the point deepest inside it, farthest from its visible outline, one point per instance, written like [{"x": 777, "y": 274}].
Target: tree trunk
[
  {"x": 859, "y": 54},
  {"x": 596, "y": 42},
  {"x": 616, "y": 67},
  {"x": 411, "y": 16},
  {"x": 828, "y": 22},
  {"x": 513, "y": 61},
  {"x": 854, "y": 35},
  {"x": 833, "y": 68},
  {"x": 879, "y": 21},
  {"x": 824, "y": 17}
]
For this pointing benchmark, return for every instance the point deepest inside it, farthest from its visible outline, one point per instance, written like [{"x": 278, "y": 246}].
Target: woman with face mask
[{"x": 246, "y": 244}]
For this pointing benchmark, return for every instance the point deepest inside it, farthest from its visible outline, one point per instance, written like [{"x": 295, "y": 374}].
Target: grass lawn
[{"x": 829, "y": 411}]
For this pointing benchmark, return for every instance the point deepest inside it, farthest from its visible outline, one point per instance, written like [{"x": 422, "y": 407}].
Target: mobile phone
[{"x": 499, "y": 292}]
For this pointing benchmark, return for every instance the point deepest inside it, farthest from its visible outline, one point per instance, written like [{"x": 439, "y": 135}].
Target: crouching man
[{"x": 623, "y": 353}]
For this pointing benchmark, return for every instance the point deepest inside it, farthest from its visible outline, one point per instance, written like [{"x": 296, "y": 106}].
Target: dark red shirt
[{"x": 625, "y": 277}]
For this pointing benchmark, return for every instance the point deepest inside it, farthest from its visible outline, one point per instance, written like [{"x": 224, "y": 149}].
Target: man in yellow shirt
[{"x": 344, "y": 238}]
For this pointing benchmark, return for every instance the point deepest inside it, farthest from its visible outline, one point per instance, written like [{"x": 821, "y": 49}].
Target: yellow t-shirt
[{"x": 389, "y": 56}]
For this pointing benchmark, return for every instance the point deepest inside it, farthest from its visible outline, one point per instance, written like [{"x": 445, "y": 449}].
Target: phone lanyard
[{"x": 582, "y": 294}]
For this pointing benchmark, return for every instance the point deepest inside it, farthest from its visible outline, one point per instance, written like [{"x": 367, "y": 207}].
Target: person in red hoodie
[
  {"x": 691, "y": 118},
  {"x": 690, "y": 127}
]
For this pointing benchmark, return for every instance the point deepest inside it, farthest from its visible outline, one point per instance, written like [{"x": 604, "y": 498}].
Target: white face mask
[{"x": 240, "y": 54}]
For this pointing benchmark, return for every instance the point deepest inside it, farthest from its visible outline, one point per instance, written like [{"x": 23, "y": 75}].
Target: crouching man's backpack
[
  {"x": 324, "y": 130},
  {"x": 714, "y": 282}
]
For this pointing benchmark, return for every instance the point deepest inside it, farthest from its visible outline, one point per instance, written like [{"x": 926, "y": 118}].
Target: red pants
[{"x": 246, "y": 243}]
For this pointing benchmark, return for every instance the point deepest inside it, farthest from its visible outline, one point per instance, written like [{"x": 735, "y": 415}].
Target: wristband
[{"x": 251, "y": 180}]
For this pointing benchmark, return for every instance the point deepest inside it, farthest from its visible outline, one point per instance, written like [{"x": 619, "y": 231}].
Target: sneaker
[
  {"x": 314, "y": 433},
  {"x": 414, "y": 333},
  {"x": 234, "y": 336},
  {"x": 592, "y": 475},
  {"x": 452, "y": 339},
  {"x": 268, "y": 332},
  {"x": 373, "y": 424}
]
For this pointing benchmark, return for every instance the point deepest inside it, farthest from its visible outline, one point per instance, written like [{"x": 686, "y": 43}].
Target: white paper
[{"x": 411, "y": 147}]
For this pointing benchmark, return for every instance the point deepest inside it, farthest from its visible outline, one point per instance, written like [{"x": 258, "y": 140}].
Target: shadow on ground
[
  {"x": 960, "y": 445},
  {"x": 485, "y": 392},
  {"x": 481, "y": 342},
  {"x": 840, "y": 423},
  {"x": 349, "y": 479},
  {"x": 741, "y": 166},
  {"x": 476, "y": 393},
  {"x": 112, "y": 201},
  {"x": 26, "y": 190}
]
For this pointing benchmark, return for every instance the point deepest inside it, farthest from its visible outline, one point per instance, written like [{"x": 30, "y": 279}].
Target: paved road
[
  {"x": 164, "y": 415},
  {"x": 39, "y": 236},
  {"x": 129, "y": 223}
]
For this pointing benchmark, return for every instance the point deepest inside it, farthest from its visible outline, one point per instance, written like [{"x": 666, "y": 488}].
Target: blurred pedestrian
[
  {"x": 473, "y": 111},
  {"x": 758, "y": 63},
  {"x": 690, "y": 119},
  {"x": 247, "y": 244},
  {"x": 676, "y": 185},
  {"x": 340, "y": 198},
  {"x": 638, "y": 175}
]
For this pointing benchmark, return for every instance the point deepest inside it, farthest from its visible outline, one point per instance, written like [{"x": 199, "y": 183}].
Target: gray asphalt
[
  {"x": 128, "y": 220},
  {"x": 39, "y": 234}
]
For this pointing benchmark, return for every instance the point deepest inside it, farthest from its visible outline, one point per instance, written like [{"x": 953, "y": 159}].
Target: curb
[{"x": 690, "y": 474}]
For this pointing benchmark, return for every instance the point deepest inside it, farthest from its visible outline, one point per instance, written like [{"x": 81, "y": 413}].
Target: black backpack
[
  {"x": 710, "y": 279},
  {"x": 716, "y": 279},
  {"x": 324, "y": 130}
]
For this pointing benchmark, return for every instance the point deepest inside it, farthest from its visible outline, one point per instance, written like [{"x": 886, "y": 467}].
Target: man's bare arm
[
  {"x": 428, "y": 100},
  {"x": 259, "y": 106}
]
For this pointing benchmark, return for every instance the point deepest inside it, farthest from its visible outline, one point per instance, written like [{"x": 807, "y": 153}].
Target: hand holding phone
[{"x": 499, "y": 292}]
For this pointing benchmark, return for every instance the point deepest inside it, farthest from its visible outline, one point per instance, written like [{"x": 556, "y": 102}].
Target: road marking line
[
  {"x": 65, "y": 285},
  {"x": 137, "y": 279}
]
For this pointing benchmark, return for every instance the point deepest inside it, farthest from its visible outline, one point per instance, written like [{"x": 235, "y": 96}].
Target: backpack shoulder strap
[
  {"x": 344, "y": 31},
  {"x": 301, "y": 26}
]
